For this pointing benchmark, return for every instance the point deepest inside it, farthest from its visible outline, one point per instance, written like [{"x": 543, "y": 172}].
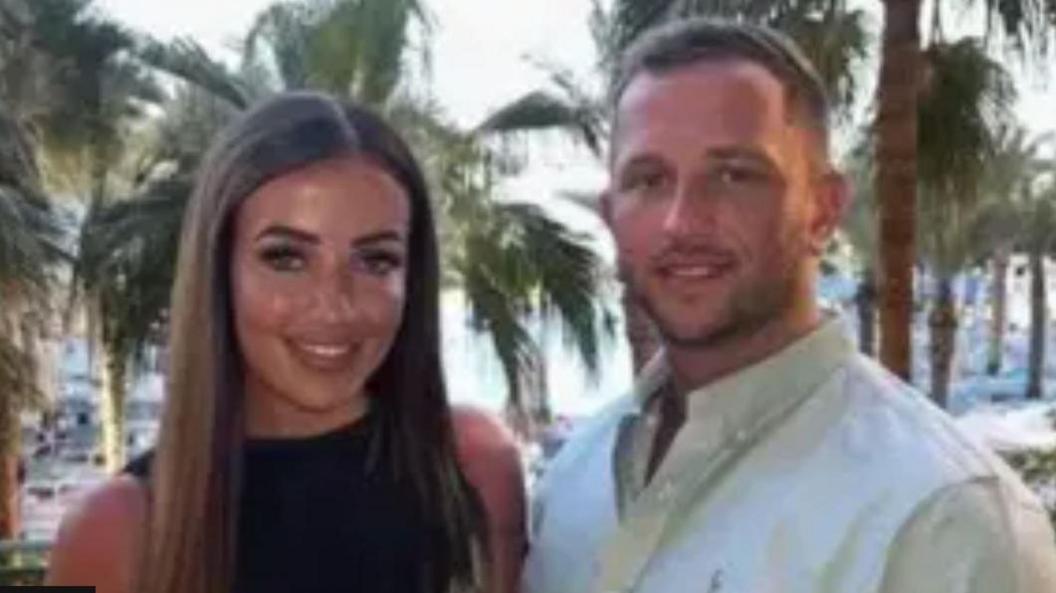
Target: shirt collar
[{"x": 749, "y": 396}]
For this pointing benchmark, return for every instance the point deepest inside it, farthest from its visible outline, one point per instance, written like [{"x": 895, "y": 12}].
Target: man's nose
[{"x": 689, "y": 210}]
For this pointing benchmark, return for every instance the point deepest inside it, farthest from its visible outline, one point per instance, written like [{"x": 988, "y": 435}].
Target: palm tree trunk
[
  {"x": 943, "y": 325},
  {"x": 896, "y": 178},
  {"x": 112, "y": 416},
  {"x": 866, "y": 302},
  {"x": 10, "y": 438},
  {"x": 999, "y": 316},
  {"x": 641, "y": 333},
  {"x": 9, "y": 456},
  {"x": 1038, "y": 320}
]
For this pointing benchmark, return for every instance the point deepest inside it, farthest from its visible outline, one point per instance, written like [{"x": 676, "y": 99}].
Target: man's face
[{"x": 717, "y": 205}]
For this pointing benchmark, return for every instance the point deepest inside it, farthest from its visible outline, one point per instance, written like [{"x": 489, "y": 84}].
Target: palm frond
[
  {"x": 566, "y": 274},
  {"x": 966, "y": 96},
  {"x": 835, "y": 37},
  {"x": 860, "y": 224},
  {"x": 540, "y": 110},
  {"x": 127, "y": 263},
  {"x": 282, "y": 30},
  {"x": 359, "y": 47},
  {"x": 1026, "y": 25},
  {"x": 186, "y": 60},
  {"x": 588, "y": 201},
  {"x": 836, "y": 42},
  {"x": 19, "y": 377},
  {"x": 488, "y": 283},
  {"x": 30, "y": 234}
]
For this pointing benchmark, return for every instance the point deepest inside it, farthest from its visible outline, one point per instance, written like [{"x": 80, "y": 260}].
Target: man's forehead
[
  {"x": 733, "y": 98},
  {"x": 732, "y": 84}
]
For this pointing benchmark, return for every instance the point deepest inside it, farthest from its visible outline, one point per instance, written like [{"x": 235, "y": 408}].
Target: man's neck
[{"x": 693, "y": 367}]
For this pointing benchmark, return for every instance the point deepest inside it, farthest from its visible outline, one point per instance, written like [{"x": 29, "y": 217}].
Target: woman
[{"x": 307, "y": 443}]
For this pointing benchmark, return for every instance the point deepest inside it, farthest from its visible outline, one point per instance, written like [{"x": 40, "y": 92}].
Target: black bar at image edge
[{"x": 39, "y": 589}]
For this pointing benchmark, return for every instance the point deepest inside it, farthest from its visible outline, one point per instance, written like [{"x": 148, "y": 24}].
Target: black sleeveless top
[{"x": 318, "y": 515}]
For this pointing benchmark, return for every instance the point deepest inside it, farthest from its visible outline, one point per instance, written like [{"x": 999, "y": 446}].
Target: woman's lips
[{"x": 326, "y": 357}]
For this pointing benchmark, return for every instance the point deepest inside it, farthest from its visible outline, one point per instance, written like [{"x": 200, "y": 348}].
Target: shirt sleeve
[{"x": 982, "y": 536}]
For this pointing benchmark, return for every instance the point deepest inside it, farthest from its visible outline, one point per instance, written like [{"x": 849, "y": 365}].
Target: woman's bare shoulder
[
  {"x": 100, "y": 537},
  {"x": 479, "y": 431},
  {"x": 490, "y": 458}
]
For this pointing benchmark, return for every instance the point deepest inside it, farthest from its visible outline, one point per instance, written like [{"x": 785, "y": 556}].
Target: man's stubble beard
[{"x": 749, "y": 307}]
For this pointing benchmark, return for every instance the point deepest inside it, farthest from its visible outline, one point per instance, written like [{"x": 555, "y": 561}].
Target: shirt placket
[{"x": 693, "y": 457}]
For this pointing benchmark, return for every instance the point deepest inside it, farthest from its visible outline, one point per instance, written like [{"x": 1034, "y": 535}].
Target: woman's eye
[
  {"x": 381, "y": 263},
  {"x": 283, "y": 258}
]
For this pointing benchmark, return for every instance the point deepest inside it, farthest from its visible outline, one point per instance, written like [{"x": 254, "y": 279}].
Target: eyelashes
[
  {"x": 283, "y": 258},
  {"x": 291, "y": 259},
  {"x": 380, "y": 262}
]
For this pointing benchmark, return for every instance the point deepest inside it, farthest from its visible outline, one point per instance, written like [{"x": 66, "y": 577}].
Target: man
[{"x": 759, "y": 453}]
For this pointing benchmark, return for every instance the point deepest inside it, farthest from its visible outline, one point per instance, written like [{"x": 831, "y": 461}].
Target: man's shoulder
[
  {"x": 901, "y": 425},
  {"x": 589, "y": 437},
  {"x": 591, "y": 432}
]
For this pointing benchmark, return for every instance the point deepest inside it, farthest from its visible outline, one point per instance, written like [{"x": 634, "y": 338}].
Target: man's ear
[{"x": 832, "y": 197}]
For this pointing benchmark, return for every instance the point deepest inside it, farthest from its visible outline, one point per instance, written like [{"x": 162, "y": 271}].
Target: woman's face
[{"x": 318, "y": 277}]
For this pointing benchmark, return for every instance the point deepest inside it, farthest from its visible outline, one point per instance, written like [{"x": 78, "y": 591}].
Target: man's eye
[
  {"x": 738, "y": 177},
  {"x": 643, "y": 181},
  {"x": 283, "y": 258}
]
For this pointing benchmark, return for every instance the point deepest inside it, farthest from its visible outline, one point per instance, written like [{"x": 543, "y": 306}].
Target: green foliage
[
  {"x": 834, "y": 36},
  {"x": 1026, "y": 25},
  {"x": 188, "y": 61},
  {"x": 127, "y": 266},
  {"x": 541, "y": 110},
  {"x": 23, "y": 564},
  {"x": 967, "y": 98},
  {"x": 1038, "y": 469},
  {"x": 512, "y": 261},
  {"x": 30, "y": 250},
  {"x": 352, "y": 48}
]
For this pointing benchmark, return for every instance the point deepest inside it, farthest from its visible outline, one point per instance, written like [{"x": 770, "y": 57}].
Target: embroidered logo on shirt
[{"x": 716, "y": 582}]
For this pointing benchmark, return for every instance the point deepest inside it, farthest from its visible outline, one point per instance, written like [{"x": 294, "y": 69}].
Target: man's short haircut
[{"x": 690, "y": 41}]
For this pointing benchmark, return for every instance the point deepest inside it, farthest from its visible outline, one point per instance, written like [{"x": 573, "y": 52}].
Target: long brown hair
[{"x": 196, "y": 473}]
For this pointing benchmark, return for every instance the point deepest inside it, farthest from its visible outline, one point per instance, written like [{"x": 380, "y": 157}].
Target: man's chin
[{"x": 684, "y": 333}]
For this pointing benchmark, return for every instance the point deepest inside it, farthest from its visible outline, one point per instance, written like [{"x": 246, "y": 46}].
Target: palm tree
[
  {"x": 859, "y": 229},
  {"x": 30, "y": 248},
  {"x": 91, "y": 92},
  {"x": 1009, "y": 179},
  {"x": 832, "y": 35},
  {"x": 966, "y": 97},
  {"x": 1025, "y": 25},
  {"x": 896, "y": 178},
  {"x": 512, "y": 261},
  {"x": 1040, "y": 243}
]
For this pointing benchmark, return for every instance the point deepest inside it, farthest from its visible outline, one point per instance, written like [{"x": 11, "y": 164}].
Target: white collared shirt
[{"x": 813, "y": 471}]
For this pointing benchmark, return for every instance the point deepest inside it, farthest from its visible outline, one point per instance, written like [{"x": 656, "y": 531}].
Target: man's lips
[
  {"x": 693, "y": 271},
  {"x": 694, "y": 266}
]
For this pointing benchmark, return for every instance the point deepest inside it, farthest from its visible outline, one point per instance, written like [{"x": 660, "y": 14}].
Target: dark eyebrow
[
  {"x": 300, "y": 236},
  {"x": 288, "y": 233},
  {"x": 379, "y": 237},
  {"x": 740, "y": 153},
  {"x": 641, "y": 160}
]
